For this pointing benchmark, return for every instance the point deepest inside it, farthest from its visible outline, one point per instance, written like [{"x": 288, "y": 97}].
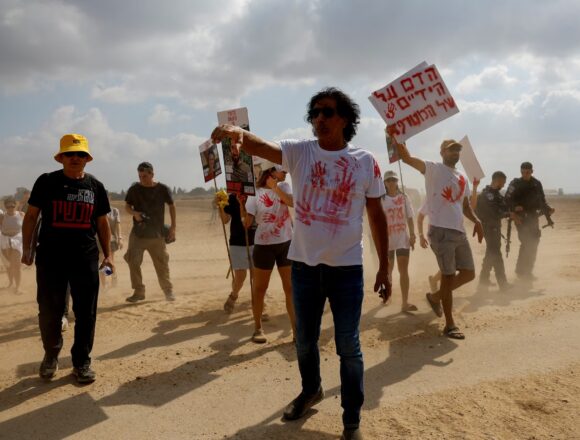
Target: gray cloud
[{"x": 205, "y": 51}]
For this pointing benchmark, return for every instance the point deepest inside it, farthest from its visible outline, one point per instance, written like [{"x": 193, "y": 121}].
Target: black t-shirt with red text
[
  {"x": 149, "y": 200},
  {"x": 69, "y": 210}
]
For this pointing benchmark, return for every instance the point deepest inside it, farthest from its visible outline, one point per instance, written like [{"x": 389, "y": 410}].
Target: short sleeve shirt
[
  {"x": 397, "y": 210},
  {"x": 69, "y": 210},
  {"x": 151, "y": 201},
  {"x": 445, "y": 189},
  {"x": 272, "y": 215},
  {"x": 330, "y": 189}
]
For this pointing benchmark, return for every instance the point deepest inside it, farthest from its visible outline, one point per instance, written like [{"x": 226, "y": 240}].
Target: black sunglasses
[
  {"x": 327, "y": 112},
  {"x": 80, "y": 154}
]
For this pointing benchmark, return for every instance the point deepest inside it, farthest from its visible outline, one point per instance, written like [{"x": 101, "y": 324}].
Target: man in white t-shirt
[
  {"x": 447, "y": 201},
  {"x": 332, "y": 183}
]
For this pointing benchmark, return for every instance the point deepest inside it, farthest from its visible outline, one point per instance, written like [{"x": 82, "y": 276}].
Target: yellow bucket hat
[{"x": 71, "y": 143}]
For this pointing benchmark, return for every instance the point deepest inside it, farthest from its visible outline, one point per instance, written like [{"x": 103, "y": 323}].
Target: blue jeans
[{"x": 343, "y": 286}]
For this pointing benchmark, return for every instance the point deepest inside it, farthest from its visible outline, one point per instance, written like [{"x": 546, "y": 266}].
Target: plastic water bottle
[{"x": 106, "y": 270}]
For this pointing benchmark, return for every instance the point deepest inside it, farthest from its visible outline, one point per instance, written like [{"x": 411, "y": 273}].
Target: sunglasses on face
[
  {"x": 327, "y": 112},
  {"x": 80, "y": 154}
]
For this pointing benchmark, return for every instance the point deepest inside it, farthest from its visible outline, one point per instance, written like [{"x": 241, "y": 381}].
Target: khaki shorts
[
  {"x": 240, "y": 257},
  {"x": 452, "y": 250}
]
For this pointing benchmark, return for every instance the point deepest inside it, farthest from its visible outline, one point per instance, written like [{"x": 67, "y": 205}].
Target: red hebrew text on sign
[{"x": 414, "y": 102}]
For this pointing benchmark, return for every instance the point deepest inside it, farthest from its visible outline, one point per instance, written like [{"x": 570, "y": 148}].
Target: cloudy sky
[{"x": 143, "y": 79}]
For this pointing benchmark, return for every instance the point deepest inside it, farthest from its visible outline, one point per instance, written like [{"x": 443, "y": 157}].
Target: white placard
[
  {"x": 469, "y": 161},
  {"x": 414, "y": 102}
]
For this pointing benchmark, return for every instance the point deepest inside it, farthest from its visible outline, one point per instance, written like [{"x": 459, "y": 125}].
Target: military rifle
[{"x": 550, "y": 222}]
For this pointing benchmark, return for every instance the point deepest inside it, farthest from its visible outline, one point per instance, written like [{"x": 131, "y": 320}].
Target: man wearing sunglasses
[
  {"x": 73, "y": 207},
  {"x": 333, "y": 182}
]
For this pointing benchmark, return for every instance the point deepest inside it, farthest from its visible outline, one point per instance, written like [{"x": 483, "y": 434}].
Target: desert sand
[{"x": 186, "y": 370}]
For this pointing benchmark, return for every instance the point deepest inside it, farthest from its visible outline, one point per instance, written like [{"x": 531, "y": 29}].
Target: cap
[
  {"x": 526, "y": 166},
  {"x": 266, "y": 165},
  {"x": 448, "y": 143},
  {"x": 70, "y": 143},
  {"x": 144, "y": 166},
  {"x": 390, "y": 175}
]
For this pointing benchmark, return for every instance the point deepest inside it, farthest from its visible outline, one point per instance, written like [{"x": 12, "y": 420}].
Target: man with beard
[{"x": 447, "y": 193}]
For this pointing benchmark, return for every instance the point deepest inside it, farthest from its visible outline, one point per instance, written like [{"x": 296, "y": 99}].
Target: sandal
[
  {"x": 453, "y": 333},
  {"x": 436, "y": 306},
  {"x": 229, "y": 304},
  {"x": 409, "y": 308},
  {"x": 259, "y": 337}
]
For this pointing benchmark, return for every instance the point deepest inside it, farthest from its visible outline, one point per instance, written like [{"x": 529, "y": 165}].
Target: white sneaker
[{"x": 64, "y": 324}]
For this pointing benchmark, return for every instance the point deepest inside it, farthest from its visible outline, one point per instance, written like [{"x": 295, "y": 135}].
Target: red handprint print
[
  {"x": 390, "y": 113},
  {"x": 317, "y": 175},
  {"x": 266, "y": 200}
]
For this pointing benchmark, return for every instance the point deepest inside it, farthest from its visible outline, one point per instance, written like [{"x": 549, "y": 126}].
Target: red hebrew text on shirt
[
  {"x": 75, "y": 215},
  {"x": 396, "y": 217}
]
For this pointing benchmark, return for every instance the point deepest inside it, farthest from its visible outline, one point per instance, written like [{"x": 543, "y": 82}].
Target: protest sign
[
  {"x": 238, "y": 164},
  {"x": 414, "y": 102},
  {"x": 210, "y": 160},
  {"x": 469, "y": 161}
]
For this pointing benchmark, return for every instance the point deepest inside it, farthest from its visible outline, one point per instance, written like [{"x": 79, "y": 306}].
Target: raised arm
[
  {"x": 249, "y": 142},
  {"x": 406, "y": 157},
  {"x": 285, "y": 197}
]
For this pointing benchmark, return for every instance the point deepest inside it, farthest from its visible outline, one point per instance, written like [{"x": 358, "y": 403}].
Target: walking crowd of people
[{"x": 68, "y": 229}]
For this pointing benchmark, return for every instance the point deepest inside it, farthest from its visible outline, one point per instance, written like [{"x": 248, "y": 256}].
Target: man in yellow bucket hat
[{"x": 73, "y": 207}]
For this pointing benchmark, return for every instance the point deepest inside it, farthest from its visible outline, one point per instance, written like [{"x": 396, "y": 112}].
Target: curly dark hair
[{"x": 345, "y": 106}]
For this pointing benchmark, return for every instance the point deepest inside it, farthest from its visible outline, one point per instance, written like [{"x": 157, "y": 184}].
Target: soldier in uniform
[
  {"x": 526, "y": 201},
  {"x": 491, "y": 209}
]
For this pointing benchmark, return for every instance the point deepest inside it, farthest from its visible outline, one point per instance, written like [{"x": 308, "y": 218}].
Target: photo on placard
[
  {"x": 239, "y": 170},
  {"x": 210, "y": 161},
  {"x": 391, "y": 150}
]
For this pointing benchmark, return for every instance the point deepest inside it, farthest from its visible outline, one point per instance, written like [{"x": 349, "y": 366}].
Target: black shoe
[
  {"x": 135, "y": 297},
  {"x": 299, "y": 406},
  {"x": 48, "y": 367},
  {"x": 84, "y": 374},
  {"x": 351, "y": 434}
]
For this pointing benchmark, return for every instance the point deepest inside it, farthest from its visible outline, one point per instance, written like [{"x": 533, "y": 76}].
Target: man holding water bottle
[{"x": 73, "y": 206}]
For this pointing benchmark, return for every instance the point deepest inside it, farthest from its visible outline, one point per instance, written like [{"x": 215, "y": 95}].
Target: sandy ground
[{"x": 185, "y": 370}]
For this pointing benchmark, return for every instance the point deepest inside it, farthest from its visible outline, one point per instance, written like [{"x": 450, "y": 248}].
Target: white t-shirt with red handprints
[
  {"x": 445, "y": 189},
  {"x": 330, "y": 190},
  {"x": 271, "y": 214},
  {"x": 397, "y": 210}
]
